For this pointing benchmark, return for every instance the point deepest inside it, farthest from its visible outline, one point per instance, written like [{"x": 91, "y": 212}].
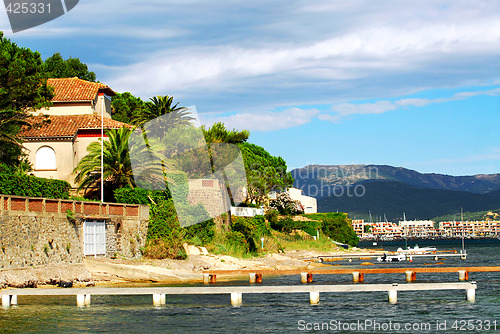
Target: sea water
[{"x": 357, "y": 312}]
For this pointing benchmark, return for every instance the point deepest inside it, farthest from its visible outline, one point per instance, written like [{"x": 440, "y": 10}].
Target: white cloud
[
  {"x": 264, "y": 121},
  {"x": 374, "y": 54},
  {"x": 292, "y": 53},
  {"x": 345, "y": 109}
]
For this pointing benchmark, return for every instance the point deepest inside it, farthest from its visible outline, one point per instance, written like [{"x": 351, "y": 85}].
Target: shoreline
[{"x": 118, "y": 272}]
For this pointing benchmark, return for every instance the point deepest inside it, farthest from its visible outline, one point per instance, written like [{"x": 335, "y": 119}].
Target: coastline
[{"x": 105, "y": 271}]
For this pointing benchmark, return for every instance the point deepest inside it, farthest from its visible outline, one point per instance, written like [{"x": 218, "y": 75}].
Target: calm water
[{"x": 283, "y": 313}]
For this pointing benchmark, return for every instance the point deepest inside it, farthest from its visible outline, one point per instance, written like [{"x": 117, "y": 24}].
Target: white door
[{"x": 94, "y": 237}]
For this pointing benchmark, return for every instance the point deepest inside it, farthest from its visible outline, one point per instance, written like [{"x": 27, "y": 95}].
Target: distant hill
[
  {"x": 381, "y": 189},
  {"x": 314, "y": 178},
  {"x": 478, "y": 215},
  {"x": 395, "y": 198}
]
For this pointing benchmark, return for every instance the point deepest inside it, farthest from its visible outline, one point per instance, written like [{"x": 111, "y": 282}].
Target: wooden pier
[
  {"x": 83, "y": 295},
  {"x": 306, "y": 274}
]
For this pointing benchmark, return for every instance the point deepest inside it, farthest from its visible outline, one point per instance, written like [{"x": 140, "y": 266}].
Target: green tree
[
  {"x": 160, "y": 106},
  {"x": 23, "y": 87},
  {"x": 116, "y": 164},
  {"x": 56, "y": 67},
  {"x": 218, "y": 133},
  {"x": 125, "y": 105},
  {"x": 265, "y": 172}
]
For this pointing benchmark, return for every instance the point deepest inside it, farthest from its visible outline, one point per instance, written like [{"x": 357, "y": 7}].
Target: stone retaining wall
[{"x": 39, "y": 231}]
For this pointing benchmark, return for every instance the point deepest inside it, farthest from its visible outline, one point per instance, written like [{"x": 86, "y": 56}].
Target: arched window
[{"x": 45, "y": 158}]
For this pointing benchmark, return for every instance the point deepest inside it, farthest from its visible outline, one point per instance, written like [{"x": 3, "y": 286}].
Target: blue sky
[{"x": 405, "y": 83}]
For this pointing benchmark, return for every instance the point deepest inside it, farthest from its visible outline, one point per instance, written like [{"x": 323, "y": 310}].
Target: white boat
[
  {"x": 391, "y": 258},
  {"x": 416, "y": 250}
]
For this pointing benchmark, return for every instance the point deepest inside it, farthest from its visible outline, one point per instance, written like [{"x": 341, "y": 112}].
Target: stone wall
[
  {"x": 39, "y": 231},
  {"x": 209, "y": 193}
]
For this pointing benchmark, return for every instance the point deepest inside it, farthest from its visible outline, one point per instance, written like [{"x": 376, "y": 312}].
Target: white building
[{"x": 309, "y": 203}]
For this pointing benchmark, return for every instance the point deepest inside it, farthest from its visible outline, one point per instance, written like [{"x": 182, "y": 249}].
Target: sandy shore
[{"x": 119, "y": 271}]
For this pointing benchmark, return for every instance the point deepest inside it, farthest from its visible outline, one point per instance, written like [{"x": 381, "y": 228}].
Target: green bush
[
  {"x": 287, "y": 225},
  {"x": 252, "y": 228},
  {"x": 200, "y": 234},
  {"x": 337, "y": 226},
  {"x": 31, "y": 186},
  {"x": 140, "y": 196},
  {"x": 272, "y": 216}
]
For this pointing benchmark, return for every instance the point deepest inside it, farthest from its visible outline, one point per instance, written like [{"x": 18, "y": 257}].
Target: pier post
[
  {"x": 163, "y": 299},
  {"x": 463, "y": 275},
  {"x": 252, "y": 277},
  {"x": 303, "y": 277},
  {"x": 358, "y": 277},
  {"x": 258, "y": 278},
  {"x": 80, "y": 300},
  {"x": 471, "y": 293},
  {"x": 87, "y": 300},
  {"x": 13, "y": 300},
  {"x": 206, "y": 278},
  {"x": 236, "y": 298},
  {"x": 411, "y": 276},
  {"x": 309, "y": 278},
  {"x": 314, "y": 297},
  {"x": 156, "y": 299},
  {"x": 5, "y": 301},
  {"x": 393, "y": 294}
]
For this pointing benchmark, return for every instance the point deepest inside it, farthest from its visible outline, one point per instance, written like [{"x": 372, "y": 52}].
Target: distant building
[
  {"x": 309, "y": 203},
  {"x": 417, "y": 228},
  {"x": 75, "y": 121}
]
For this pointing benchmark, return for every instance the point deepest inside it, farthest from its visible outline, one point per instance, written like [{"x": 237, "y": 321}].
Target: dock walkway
[{"x": 9, "y": 296}]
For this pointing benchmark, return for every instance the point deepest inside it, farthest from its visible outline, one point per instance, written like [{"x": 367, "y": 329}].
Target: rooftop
[
  {"x": 68, "y": 125},
  {"x": 77, "y": 90}
]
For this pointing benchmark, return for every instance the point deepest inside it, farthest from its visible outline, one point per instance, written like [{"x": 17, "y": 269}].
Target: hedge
[{"x": 32, "y": 186}]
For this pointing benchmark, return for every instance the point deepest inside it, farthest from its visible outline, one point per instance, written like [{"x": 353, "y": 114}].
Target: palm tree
[
  {"x": 169, "y": 116},
  {"x": 116, "y": 164},
  {"x": 118, "y": 171}
]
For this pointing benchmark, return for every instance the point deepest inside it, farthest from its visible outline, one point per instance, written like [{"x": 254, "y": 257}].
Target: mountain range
[{"x": 361, "y": 190}]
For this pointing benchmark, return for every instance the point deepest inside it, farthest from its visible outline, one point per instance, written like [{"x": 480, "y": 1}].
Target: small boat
[
  {"x": 391, "y": 258},
  {"x": 417, "y": 250}
]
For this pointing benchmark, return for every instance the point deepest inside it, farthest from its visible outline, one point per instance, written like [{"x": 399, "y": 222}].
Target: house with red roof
[{"x": 80, "y": 109}]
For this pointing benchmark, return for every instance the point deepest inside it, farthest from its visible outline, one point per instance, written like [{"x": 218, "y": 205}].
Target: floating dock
[
  {"x": 409, "y": 256},
  {"x": 83, "y": 295},
  {"x": 306, "y": 274}
]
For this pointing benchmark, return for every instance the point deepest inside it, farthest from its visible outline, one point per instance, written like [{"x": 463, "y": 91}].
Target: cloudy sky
[{"x": 405, "y": 83}]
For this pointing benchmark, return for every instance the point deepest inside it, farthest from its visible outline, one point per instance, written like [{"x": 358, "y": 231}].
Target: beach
[{"x": 101, "y": 270}]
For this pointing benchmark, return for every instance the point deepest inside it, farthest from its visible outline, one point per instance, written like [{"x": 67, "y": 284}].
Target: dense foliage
[
  {"x": 264, "y": 172},
  {"x": 140, "y": 196},
  {"x": 22, "y": 86},
  {"x": 287, "y": 225},
  {"x": 337, "y": 226},
  {"x": 56, "y": 67},
  {"x": 116, "y": 164},
  {"x": 125, "y": 105},
  {"x": 218, "y": 133},
  {"x": 14, "y": 183}
]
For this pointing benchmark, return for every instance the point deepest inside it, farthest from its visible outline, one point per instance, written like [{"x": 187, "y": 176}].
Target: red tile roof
[
  {"x": 74, "y": 89},
  {"x": 68, "y": 126}
]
